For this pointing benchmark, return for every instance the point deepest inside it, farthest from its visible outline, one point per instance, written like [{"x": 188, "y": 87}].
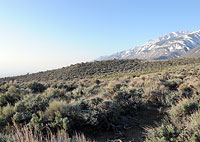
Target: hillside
[
  {"x": 172, "y": 45},
  {"x": 134, "y": 100},
  {"x": 195, "y": 52},
  {"x": 101, "y": 69}
]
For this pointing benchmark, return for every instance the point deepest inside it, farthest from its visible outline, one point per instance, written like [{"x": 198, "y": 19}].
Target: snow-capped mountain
[{"x": 172, "y": 45}]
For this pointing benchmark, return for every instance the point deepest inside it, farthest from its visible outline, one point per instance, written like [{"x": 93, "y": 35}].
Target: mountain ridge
[{"x": 171, "y": 45}]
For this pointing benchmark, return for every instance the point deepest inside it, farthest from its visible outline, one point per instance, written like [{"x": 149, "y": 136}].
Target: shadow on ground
[{"x": 133, "y": 128}]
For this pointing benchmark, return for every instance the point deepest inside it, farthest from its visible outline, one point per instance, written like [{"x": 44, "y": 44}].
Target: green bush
[
  {"x": 22, "y": 117},
  {"x": 3, "y": 100},
  {"x": 61, "y": 123},
  {"x": 13, "y": 90},
  {"x": 3, "y": 121},
  {"x": 164, "y": 133},
  {"x": 32, "y": 104},
  {"x": 129, "y": 100},
  {"x": 20, "y": 106},
  {"x": 9, "y": 99},
  {"x": 4, "y": 87},
  {"x": 110, "y": 112},
  {"x": 36, "y": 87},
  {"x": 56, "y": 107},
  {"x": 8, "y": 111},
  {"x": 66, "y": 123},
  {"x": 117, "y": 87},
  {"x": 54, "y": 93},
  {"x": 173, "y": 84},
  {"x": 187, "y": 92},
  {"x": 36, "y": 122},
  {"x": 94, "y": 102}
]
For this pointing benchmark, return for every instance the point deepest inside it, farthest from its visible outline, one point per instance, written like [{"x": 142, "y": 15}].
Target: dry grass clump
[
  {"x": 24, "y": 134},
  {"x": 55, "y": 107},
  {"x": 182, "y": 109}
]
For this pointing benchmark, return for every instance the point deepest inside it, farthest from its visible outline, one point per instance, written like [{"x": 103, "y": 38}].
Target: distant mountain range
[{"x": 172, "y": 45}]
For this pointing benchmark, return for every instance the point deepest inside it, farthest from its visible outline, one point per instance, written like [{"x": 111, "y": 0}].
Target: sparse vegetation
[{"x": 108, "y": 96}]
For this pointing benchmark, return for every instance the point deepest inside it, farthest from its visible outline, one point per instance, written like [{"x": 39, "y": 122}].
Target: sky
[{"x": 39, "y": 35}]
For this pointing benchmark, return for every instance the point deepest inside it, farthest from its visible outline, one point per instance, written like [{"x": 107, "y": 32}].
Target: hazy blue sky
[{"x": 46, "y": 34}]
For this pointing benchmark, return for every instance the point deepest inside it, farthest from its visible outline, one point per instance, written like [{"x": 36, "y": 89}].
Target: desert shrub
[
  {"x": 166, "y": 75},
  {"x": 94, "y": 102},
  {"x": 9, "y": 99},
  {"x": 60, "y": 114},
  {"x": 56, "y": 120},
  {"x": 36, "y": 87},
  {"x": 36, "y": 103},
  {"x": 97, "y": 81},
  {"x": 85, "y": 114},
  {"x": 163, "y": 133},
  {"x": 109, "y": 113},
  {"x": 22, "y": 117},
  {"x": 4, "y": 87},
  {"x": 127, "y": 94},
  {"x": 20, "y": 106},
  {"x": 61, "y": 123},
  {"x": 56, "y": 107},
  {"x": 32, "y": 104},
  {"x": 173, "y": 84},
  {"x": 66, "y": 86},
  {"x": 182, "y": 109},
  {"x": 91, "y": 91},
  {"x": 117, "y": 87},
  {"x": 194, "y": 138},
  {"x": 171, "y": 99},
  {"x": 128, "y": 99},
  {"x": 88, "y": 112},
  {"x": 3, "y": 121},
  {"x": 54, "y": 93},
  {"x": 54, "y": 85},
  {"x": 71, "y": 87},
  {"x": 8, "y": 111},
  {"x": 60, "y": 85},
  {"x": 13, "y": 90},
  {"x": 191, "y": 130},
  {"x": 36, "y": 122},
  {"x": 136, "y": 92},
  {"x": 78, "y": 93},
  {"x": 12, "y": 98},
  {"x": 187, "y": 92},
  {"x": 121, "y": 97},
  {"x": 3, "y": 100},
  {"x": 156, "y": 98},
  {"x": 65, "y": 123}
]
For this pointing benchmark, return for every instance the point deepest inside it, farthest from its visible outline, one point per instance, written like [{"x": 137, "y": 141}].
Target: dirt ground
[{"x": 135, "y": 132}]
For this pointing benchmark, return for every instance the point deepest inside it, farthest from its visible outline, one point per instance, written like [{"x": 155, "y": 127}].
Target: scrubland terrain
[{"x": 104, "y": 101}]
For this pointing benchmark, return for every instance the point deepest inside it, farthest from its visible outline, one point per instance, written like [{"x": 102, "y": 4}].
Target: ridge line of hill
[{"x": 102, "y": 69}]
